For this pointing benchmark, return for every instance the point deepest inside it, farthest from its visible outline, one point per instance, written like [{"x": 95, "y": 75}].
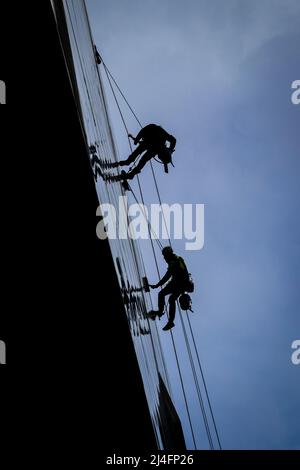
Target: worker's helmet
[
  {"x": 167, "y": 250},
  {"x": 185, "y": 302},
  {"x": 165, "y": 155}
]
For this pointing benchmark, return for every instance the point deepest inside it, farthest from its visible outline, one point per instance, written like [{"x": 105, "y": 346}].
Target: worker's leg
[
  {"x": 172, "y": 305},
  {"x": 144, "y": 159},
  {"x": 140, "y": 149},
  {"x": 161, "y": 298}
]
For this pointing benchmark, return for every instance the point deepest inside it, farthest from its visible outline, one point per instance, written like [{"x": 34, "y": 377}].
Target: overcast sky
[{"x": 217, "y": 74}]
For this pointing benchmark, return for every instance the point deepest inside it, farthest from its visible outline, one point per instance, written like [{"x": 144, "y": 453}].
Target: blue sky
[{"x": 217, "y": 75}]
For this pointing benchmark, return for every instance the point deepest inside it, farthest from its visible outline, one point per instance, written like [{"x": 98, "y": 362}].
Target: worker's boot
[{"x": 169, "y": 325}]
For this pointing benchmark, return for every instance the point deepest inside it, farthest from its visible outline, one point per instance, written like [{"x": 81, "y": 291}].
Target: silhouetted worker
[
  {"x": 178, "y": 273},
  {"x": 152, "y": 140}
]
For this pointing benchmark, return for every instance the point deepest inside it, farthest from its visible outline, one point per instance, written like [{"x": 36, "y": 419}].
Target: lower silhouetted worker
[
  {"x": 151, "y": 141},
  {"x": 178, "y": 273}
]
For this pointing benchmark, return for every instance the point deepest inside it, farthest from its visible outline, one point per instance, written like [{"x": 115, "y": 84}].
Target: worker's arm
[
  {"x": 137, "y": 139},
  {"x": 163, "y": 280}
]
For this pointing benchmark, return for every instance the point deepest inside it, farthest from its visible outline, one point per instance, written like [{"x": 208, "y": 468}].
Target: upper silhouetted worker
[
  {"x": 178, "y": 273},
  {"x": 151, "y": 141}
]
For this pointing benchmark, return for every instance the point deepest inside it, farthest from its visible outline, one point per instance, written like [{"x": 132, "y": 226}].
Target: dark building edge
[
  {"x": 170, "y": 425},
  {"x": 69, "y": 334},
  {"x": 69, "y": 337},
  {"x": 118, "y": 404}
]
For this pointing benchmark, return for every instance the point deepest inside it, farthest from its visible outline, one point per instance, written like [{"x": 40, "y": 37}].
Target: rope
[
  {"x": 159, "y": 198},
  {"x": 108, "y": 75},
  {"x": 150, "y": 228},
  {"x": 197, "y": 385},
  {"x": 204, "y": 383},
  {"x": 122, "y": 94},
  {"x": 158, "y": 337},
  {"x": 117, "y": 103},
  {"x": 172, "y": 338},
  {"x": 195, "y": 347},
  {"x": 110, "y": 80}
]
